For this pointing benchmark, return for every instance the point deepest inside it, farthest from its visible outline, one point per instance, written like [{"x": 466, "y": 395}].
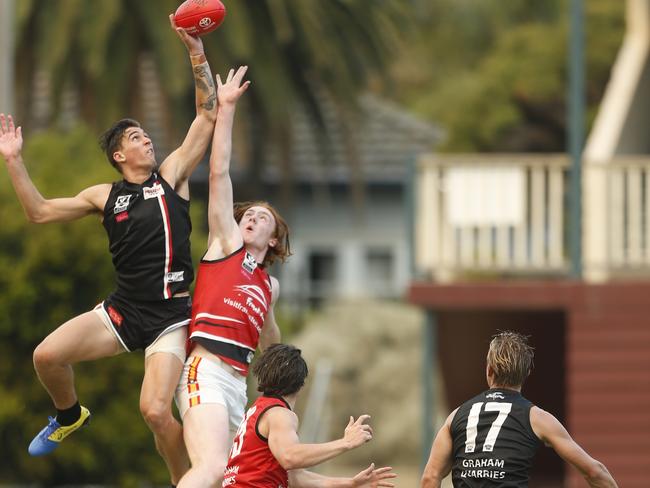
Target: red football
[{"x": 199, "y": 17}]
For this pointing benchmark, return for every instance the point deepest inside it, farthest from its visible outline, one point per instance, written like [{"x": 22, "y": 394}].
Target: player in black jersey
[
  {"x": 490, "y": 440},
  {"x": 146, "y": 216}
]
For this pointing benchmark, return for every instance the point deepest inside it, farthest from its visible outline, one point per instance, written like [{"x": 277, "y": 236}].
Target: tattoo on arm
[
  {"x": 205, "y": 84},
  {"x": 209, "y": 103}
]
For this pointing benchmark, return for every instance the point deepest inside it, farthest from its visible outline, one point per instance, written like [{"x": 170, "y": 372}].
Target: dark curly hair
[{"x": 280, "y": 370}]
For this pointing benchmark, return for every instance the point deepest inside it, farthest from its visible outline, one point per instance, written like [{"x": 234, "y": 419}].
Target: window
[
  {"x": 380, "y": 271},
  {"x": 322, "y": 275}
]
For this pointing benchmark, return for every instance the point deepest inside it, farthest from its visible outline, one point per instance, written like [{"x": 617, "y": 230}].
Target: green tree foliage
[
  {"x": 95, "y": 47},
  {"x": 296, "y": 50},
  {"x": 299, "y": 51},
  {"x": 496, "y": 75},
  {"x": 290, "y": 44},
  {"x": 49, "y": 274}
]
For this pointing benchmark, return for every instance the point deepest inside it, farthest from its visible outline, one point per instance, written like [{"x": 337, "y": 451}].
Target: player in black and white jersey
[
  {"x": 146, "y": 217},
  {"x": 490, "y": 440}
]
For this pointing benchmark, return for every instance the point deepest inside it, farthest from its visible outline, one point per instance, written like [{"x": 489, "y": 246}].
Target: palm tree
[
  {"x": 296, "y": 49},
  {"x": 94, "y": 48},
  {"x": 302, "y": 52}
]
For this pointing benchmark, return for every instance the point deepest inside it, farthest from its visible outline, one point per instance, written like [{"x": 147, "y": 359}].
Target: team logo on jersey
[
  {"x": 249, "y": 357},
  {"x": 174, "y": 276},
  {"x": 122, "y": 203},
  {"x": 249, "y": 263},
  {"x": 495, "y": 396},
  {"x": 153, "y": 192},
  {"x": 256, "y": 293}
]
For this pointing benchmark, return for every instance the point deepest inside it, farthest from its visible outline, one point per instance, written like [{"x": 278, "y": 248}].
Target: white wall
[{"x": 337, "y": 227}]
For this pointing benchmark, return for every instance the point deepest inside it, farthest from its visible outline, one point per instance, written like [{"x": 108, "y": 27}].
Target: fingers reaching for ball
[{"x": 228, "y": 92}]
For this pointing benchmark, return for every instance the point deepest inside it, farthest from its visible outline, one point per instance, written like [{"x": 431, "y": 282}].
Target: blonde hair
[
  {"x": 510, "y": 358},
  {"x": 282, "y": 250}
]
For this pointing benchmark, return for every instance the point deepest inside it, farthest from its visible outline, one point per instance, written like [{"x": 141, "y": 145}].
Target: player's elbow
[
  {"x": 208, "y": 116},
  {"x": 288, "y": 463},
  {"x": 41, "y": 211},
  {"x": 33, "y": 218},
  {"x": 218, "y": 173},
  {"x": 38, "y": 215},
  {"x": 269, "y": 338},
  {"x": 430, "y": 479},
  {"x": 597, "y": 475},
  {"x": 290, "y": 460}
]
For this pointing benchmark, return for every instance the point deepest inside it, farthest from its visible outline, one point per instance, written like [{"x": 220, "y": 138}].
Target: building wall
[
  {"x": 608, "y": 380},
  {"x": 359, "y": 252},
  {"x": 607, "y": 344}
]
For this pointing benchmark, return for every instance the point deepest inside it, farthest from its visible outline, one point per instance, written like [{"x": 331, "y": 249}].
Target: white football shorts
[{"x": 207, "y": 380}]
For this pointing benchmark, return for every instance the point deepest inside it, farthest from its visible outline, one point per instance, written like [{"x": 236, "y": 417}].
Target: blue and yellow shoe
[{"x": 51, "y": 436}]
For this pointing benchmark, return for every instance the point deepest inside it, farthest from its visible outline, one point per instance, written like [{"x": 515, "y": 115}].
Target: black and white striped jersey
[
  {"x": 149, "y": 228},
  {"x": 493, "y": 441}
]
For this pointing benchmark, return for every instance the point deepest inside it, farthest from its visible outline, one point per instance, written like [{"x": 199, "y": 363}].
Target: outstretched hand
[
  {"x": 194, "y": 44},
  {"x": 357, "y": 431},
  {"x": 372, "y": 478},
  {"x": 230, "y": 91},
  {"x": 11, "y": 138}
]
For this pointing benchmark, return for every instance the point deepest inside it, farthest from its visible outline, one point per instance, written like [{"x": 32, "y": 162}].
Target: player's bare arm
[
  {"x": 180, "y": 164},
  {"x": 271, "y": 332},
  {"x": 224, "y": 234},
  {"x": 370, "y": 477},
  {"x": 440, "y": 459},
  {"x": 553, "y": 434},
  {"x": 282, "y": 427},
  {"x": 37, "y": 208}
]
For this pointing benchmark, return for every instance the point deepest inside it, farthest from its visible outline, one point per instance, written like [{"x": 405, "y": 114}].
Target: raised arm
[
  {"x": 370, "y": 477},
  {"x": 553, "y": 434},
  {"x": 270, "y": 331},
  {"x": 440, "y": 458},
  {"x": 224, "y": 235},
  {"x": 282, "y": 427},
  {"x": 37, "y": 208},
  {"x": 180, "y": 164}
]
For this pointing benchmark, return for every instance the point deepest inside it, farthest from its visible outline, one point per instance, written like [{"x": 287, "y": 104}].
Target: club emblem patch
[
  {"x": 249, "y": 263},
  {"x": 122, "y": 203}
]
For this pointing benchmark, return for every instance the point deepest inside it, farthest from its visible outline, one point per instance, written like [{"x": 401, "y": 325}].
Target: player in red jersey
[
  {"x": 267, "y": 453},
  {"x": 232, "y": 310}
]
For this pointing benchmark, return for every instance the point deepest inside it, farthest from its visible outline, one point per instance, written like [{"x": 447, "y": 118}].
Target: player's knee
[
  {"x": 44, "y": 357},
  {"x": 156, "y": 414}
]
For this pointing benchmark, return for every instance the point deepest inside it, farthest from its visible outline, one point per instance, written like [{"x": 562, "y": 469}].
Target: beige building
[{"x": 491, "y": 249}]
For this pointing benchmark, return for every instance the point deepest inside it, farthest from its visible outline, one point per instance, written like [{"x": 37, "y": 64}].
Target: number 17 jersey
[{"x": 493, "y": 441}]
